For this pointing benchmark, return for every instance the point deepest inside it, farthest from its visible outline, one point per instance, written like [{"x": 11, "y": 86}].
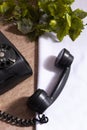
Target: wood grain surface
[{"x": 14, "y": 101}]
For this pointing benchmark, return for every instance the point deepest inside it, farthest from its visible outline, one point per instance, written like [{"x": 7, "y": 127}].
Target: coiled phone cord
[{"x": 22, "y": 122}]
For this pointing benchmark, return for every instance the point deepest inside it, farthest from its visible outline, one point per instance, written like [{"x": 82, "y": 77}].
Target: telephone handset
[
  {"x": 40, "y": 100},
  {"x": 11, "y": 64}
]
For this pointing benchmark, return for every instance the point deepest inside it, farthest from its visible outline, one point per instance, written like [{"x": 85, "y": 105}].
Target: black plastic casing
[{"x": 12, "y": 75}]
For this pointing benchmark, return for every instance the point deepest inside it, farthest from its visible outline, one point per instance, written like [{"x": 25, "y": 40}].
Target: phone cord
[{"x": 22, "y": 122}]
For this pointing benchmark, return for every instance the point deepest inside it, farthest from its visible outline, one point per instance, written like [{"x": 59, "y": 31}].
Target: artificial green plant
[{"x": 37, "y": 17}]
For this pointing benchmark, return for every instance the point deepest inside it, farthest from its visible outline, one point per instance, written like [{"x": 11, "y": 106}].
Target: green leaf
[
  {"x": 25, "y": 26},
  {"x": 63, "y": 29},
  {"x": 68, "y": 18},
  {"x": 57, "y": 9},
  {"x": 4, "y": 7},
  {"x": 76, "y": 27},
  {"x": 1, "y": 1},
  {"x": 80, "y": 13},
  {"x": 17, "y": 12},
  {"x": 68, "y": 1}
]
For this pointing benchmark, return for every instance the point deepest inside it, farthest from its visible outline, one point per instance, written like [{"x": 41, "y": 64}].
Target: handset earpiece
[
  {"x": 40, "y": 100},
  {"x": 63, "y": 62}
]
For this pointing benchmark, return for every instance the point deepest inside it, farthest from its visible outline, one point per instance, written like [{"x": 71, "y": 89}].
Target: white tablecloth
[{"x": 69, "y": 111}]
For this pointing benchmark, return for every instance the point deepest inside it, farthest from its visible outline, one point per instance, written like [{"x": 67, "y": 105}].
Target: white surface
[{"x": 69, "y": 111}]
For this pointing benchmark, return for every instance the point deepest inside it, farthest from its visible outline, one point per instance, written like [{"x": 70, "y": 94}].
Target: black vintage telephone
[{"x": 11, "y": 64}]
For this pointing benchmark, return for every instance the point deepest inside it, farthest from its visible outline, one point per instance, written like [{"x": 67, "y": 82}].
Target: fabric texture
[{"x": 69, "y": 111}]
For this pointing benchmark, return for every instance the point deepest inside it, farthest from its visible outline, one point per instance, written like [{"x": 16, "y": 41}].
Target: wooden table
[{"x": 14, "y": 101}]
